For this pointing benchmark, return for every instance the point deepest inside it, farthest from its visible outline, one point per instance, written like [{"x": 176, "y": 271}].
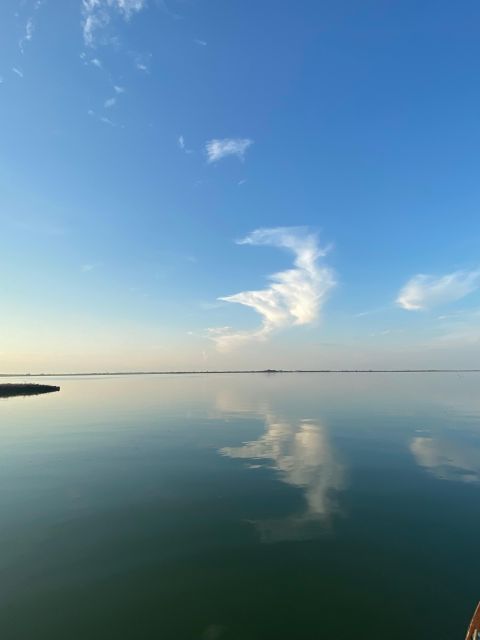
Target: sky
[{"x": 226, "y": 184}]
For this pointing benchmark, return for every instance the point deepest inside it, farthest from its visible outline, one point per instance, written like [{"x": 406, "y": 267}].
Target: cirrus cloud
[
  {"x": 295, "y": 296},
  {"x": 217, "y": 149},
  {"x": 426, "y": 291},
  {"x": 97, "y": 14}
]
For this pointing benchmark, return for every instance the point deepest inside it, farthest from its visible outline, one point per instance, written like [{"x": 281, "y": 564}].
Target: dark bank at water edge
[{"x": 25, "y": 389}]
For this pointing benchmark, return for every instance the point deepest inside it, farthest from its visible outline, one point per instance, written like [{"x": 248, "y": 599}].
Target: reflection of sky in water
[
  {"x": 151, "y": 482},
  {"x": 448, "y": 459},
  {"x": 302, "y": 454}
]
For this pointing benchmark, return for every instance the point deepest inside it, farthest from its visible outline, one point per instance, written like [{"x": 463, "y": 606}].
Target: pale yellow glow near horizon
[{"x": 80, "y": 356}]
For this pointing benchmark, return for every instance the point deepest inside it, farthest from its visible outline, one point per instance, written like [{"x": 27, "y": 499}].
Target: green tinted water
[{"x": 235, "y": 507}]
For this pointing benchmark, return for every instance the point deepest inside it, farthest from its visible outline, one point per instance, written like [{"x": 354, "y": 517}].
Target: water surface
[{"x": 235, "y": 507}]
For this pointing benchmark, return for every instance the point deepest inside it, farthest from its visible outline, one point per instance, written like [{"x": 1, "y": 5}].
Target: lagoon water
[{"x": 241, "y": 507}]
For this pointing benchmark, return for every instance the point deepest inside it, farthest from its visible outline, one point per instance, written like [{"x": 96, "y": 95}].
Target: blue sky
[{"x": 142, "y": 141}]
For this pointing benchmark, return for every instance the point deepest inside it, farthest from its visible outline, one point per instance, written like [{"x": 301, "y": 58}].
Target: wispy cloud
[
  {"x": 106, "y": 120},
  {"x": 385, "y": 332},
  {"x": 97, "y": 14},
  {"x": 94, "y": 18},
  {"x": 370, "y": 312},
  {"x": 118, "y": 89},
  {"x": 94, "y": 62},
  {"x": 426, "y": 291},
  {"x": 458, "y": 329},
  {"x": 218, "y": 149},
  {"x": 202, "y": 43},
  {"x": 295, "y": 296},
  {"x": 108, "y": 104},
  {"x": 29, "y": 26},
  {"x": 142, "y": 62},
  {"x": 28, "y": 35},
  {"x": 182, "y": 145},
  {"x": 103, "y": 119},
  {"x": 162, "y": 4},
  {"x": 17, "y": 71}
]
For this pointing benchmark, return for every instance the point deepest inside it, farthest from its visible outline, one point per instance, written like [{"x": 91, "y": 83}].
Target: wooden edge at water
[
  {"x": 26, "y": 389},
  {"x": 474, "y": 628}
]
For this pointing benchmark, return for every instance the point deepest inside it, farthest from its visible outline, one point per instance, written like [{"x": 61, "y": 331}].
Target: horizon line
[{"x": 231, "y": 371}]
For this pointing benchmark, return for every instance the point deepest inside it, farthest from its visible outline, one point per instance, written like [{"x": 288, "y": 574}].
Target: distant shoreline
[{"x": 232, "y": 371}]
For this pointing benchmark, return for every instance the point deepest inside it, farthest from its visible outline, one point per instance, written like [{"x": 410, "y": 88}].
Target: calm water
[{"x": 296, "y": 506}]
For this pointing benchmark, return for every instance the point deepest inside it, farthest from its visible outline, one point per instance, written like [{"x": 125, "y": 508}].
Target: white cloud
[
  {"x": 29, "y": 26},
  {"x": 118, "y": 89},
  {"x": 93, "y": 19},
  {"x": 295, "y": 295},
  {"x": 103, "y": 119},
  {"x": 219, "y": 149},
  {"x": 96, "y": 63},
  {"x": 18, "y": 72},
  {"x": 142, "y": 61},
  {"x": 107, "y": 121},
  {"x": 425, "y": 291},
  {"x": 386, "y": 332},
  {"x": 182, "y": 145},
  {"x": 128, "y": 7},
  {"x": 97, "y": 14},
  {"x": 29, "y": 29},
  {"x": 202, "y": 43},
  {"x": 370, "y": 312},
  {"x": 87, "y": 267},
  {"x": 108, "y": 104}
]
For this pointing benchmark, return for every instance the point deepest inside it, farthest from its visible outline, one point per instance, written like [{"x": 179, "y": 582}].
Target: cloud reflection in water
[
  {"x": 302, "y": 454},
  {"x": 447, "y": 459}
]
